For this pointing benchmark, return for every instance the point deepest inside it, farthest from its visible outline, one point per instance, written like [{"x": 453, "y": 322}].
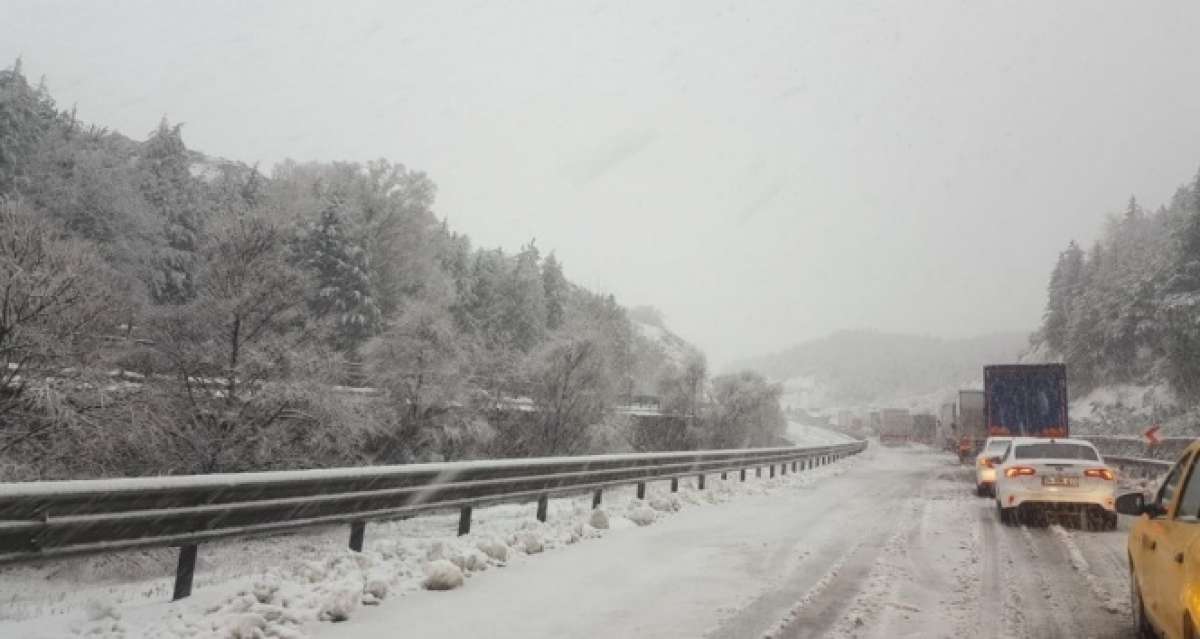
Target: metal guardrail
[
  {"x": 1136, "y": 456},
  {"x": 40, "y": 520},
  {"x": 1149, "y": 468},
  {"x": 1167, "y": 449}
]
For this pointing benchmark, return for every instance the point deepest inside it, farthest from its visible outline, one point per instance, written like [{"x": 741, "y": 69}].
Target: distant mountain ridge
[{"x": 862, "y": 367}]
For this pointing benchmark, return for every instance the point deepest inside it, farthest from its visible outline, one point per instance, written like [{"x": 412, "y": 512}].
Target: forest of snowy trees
[
  {"x": 165, "y": 312},
  {"x": 1127, "y": 310}
]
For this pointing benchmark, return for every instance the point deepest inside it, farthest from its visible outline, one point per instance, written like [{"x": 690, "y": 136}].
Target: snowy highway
[
  {"x": 888, "y": 543},
  {"x": 894, "y": 546}
]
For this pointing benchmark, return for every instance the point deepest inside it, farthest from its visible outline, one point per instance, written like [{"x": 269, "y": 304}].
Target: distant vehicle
[
  {"x": 1164, "y": 552},
  {"x": 948, "y": 427},
  {"x": 1023, "y": 400},
  {"x": 924, "y": 428},
  {"x": 896, "y": 426},
  {"x": 985, "y": 464},
  {"x": 972, "y": 429},
  {"x": 1041, "y": 477}
]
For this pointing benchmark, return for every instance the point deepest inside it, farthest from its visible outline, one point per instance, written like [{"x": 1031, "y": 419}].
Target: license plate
[{"x": 1058, "y": 480}]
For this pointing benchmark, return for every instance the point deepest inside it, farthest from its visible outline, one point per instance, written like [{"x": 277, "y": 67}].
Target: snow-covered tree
[
  {"x": 173, "y": 194},
  {"x": 343, "y": 286},
  {"x": 554, "y": 286}
]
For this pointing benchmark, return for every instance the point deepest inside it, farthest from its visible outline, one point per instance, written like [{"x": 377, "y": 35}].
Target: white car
[
  {"x": 1055, "y": 476},
  {"x": 985, "y": 464}
]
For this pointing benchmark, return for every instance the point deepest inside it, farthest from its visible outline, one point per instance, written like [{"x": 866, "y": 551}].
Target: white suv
[
  {"x": 985, "y": 464},
  {"x": 1060, "y": 476}
]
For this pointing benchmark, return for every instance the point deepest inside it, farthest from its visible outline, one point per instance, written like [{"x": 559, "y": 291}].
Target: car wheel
[
  {"x": 1008, "y": 516},
  {"x": 1110, "y": 521},
  {"x": 979, "y": 490},
  {"x": 1141, "y": 625}
]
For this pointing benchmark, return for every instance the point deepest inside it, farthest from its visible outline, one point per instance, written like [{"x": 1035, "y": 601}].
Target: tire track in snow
[
  {"x": 1049, "y": 619},
  {"x": 998, "y": 604},
  {"x": 816, "y": 612},
  {"x": 1104, "y": 598},
  {"x": 834, "y": 556},
  {"x": 813, "y": 593},
  {"x": 1108, "y": 557},
  {"x": 879, "y": 588}
]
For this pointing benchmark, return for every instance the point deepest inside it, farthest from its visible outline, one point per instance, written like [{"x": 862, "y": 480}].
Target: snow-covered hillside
[
  {"x": 864, "y": 368},
  {"x": 659, "y": 351}
]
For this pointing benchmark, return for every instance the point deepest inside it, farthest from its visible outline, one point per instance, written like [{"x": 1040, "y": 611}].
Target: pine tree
[
  {"x": 1064, "y": 284},
  {"x": 172, "y": 193},
  {"x": 343, "y": 282},
  {"x": 554, "y": 285},
  {"x": 26, "y": 115},
  {"x": 524, "y": 314}
]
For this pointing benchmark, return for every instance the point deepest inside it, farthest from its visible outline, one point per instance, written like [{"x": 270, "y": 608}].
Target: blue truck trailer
[{"x": 1026, "y": 400}]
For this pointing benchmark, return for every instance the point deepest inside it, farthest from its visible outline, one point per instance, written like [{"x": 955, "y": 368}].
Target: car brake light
[
  {"x": 1019, "y": 471},
  {"x": 986, "y": 463},
  {"x": 1100, "y": 473}
]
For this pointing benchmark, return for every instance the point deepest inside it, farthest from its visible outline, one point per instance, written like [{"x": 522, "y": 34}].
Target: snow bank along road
[{"x": 893, "y": 545}]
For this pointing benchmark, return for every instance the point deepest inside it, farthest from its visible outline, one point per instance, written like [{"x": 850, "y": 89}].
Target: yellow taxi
[{"x": 1164, "y": 553}]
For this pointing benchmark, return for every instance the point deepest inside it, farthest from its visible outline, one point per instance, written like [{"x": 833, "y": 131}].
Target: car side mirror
[{"x": 1134, "y": 504}]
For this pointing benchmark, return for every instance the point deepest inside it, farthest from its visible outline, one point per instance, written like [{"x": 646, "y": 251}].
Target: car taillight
[
  {"x": 1019, "y": 471},
  {"x": 986, "y": 463},
  {"x": 1100, "y": 473}
]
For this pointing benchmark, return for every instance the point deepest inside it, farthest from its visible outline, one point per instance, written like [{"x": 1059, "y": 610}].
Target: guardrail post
[
  {"x": 641, "y": 491},
  {"x": 674, "y": 484},
  {"x": 783, "y": 468},
  {"x": 357, "y": 530},
  {"x": 723, "y": 475},
  {"x": 700, "y": 482},
  {"x": 771, "y": 469},
  {"x": 184, "y": 572},
  {"x": 794, "y": 464},
  {"x": 464, "y": 520},
  {"x": 758, "y": 471},
  {"x": 597, "y": 497},
  {"x": 743, "y": 474},
  {"x": 543, "y": 506}
]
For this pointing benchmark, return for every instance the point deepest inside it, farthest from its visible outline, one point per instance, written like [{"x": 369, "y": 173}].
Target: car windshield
[
  {"x": 997, "y": 447},
  {"x": 1055, "y": 450}
]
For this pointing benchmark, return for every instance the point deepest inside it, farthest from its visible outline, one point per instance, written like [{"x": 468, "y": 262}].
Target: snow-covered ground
[
  {"x": 293, "y": 585},
  {"x": 890, "y": 543}
]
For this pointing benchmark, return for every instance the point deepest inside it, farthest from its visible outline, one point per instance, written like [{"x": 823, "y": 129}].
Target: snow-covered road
[
  {"x": 896, "y": 546},
  {"x": 889, "y": 543}
]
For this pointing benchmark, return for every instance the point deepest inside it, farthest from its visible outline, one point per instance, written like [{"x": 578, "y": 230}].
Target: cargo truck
[
  {"x": 896, "y": 426},
  {"x": 924, "y": 428},
  {"x": 947, "y": 438},
  {"x": 972, "y": 429},
  {"x": 1026, "y": 400}
]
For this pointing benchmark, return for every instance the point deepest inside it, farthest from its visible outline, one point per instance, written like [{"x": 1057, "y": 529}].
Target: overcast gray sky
[{"x": 763, "y": 172}]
